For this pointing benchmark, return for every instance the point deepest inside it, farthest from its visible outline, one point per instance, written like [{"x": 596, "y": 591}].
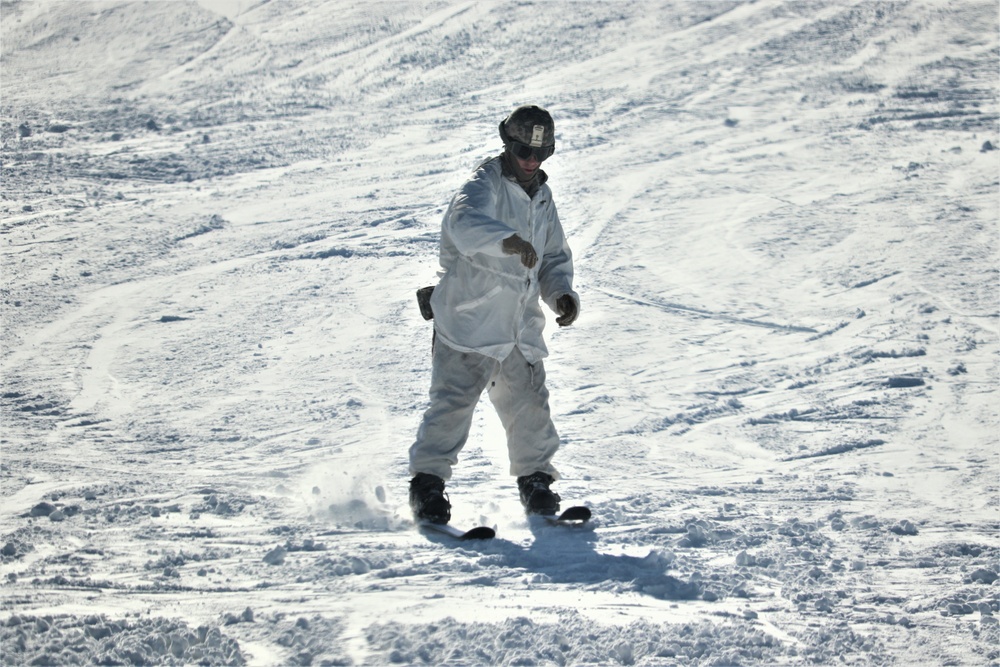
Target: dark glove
[
  {"x": 515, "y": 245},
  {"x": 568, "y": 310}
]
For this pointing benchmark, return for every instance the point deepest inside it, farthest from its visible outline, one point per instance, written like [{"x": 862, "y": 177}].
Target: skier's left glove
[{"x": 568, "y": 310}]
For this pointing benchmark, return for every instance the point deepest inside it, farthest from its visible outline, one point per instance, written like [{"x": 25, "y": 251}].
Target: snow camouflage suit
[{"x": 488, "y": 322}]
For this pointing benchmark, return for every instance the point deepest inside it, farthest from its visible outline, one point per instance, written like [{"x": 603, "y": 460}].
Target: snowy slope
[{"x": 780, "y": 398}]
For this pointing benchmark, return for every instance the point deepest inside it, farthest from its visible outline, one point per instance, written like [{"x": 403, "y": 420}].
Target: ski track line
[
  {"x": 363, "y": 54},
  {"x": 707, "y": 314},
  {"x": 586, "y": 235},
  {"x": 192, "y": 64}
]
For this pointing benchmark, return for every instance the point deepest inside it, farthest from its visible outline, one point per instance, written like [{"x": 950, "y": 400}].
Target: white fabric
[
  {"x": 486, "y": 301},
  {"x": 517, "y": 390}
]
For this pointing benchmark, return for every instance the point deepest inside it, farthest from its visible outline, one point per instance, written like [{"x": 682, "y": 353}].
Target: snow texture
[{"x": 780, "y": 398}]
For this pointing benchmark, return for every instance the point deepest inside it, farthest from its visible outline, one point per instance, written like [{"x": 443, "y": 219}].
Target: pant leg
[
  {"x": 521, "y": 400},
  {"x": 457, "y": 383}
]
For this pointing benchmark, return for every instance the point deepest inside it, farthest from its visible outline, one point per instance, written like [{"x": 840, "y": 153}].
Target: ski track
[{"x": 779, "y": 400}]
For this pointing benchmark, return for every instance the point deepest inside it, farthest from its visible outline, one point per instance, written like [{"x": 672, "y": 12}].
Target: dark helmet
[{"x": 532, "y": 127}]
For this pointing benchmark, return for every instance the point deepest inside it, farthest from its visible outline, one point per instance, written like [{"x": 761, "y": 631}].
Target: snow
[{"x": 779, "y": 400}]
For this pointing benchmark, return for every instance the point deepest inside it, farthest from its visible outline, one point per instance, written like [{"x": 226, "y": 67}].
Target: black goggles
[{"x": 524, "y": 151}]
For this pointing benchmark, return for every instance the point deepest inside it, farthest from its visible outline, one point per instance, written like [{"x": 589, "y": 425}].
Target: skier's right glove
[{"x": 515, "y": 245}]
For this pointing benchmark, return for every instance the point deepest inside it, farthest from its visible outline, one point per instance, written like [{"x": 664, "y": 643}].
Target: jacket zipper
[{"x": 527, "y": 281}]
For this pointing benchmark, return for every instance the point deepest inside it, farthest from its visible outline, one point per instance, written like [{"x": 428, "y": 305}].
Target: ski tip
[
  {"x": 572, "y": 516},
  {"x": 479, "y": 533},
  {"x": 575, "y": 514}
]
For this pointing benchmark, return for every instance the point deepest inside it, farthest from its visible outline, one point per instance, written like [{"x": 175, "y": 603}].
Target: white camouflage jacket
[{"x": 486, "y": 301}]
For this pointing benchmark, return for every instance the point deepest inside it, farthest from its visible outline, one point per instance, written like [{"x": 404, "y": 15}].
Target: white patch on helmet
[{"x": 537, "y": 135}]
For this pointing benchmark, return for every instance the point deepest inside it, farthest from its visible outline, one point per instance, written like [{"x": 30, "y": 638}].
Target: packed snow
[{"x": 780, "y": 399}]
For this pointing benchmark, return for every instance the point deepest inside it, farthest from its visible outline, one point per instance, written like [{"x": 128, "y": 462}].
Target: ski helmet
[{"x": 529, "y": 130}]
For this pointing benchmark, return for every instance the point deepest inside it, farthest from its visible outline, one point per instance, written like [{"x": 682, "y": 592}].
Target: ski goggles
[{"x": 524, "y": 151}]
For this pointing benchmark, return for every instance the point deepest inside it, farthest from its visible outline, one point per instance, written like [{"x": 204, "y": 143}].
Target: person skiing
[{"x": 502, "y": 250}]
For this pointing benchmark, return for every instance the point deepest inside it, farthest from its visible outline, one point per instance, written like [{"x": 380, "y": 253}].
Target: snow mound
[
  {"x": 574, "y": 640},
  {"x": 67, "y": 640}
]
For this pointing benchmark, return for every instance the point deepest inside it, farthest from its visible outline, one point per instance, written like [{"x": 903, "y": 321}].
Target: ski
[
  {"x": 477, "y": 533},
  {"x": 571, "y": 516}
]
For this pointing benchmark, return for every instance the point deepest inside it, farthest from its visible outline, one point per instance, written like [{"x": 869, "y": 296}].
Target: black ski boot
[
  {"x": 428, "y": 500},
  {"x": 536, "y": 496}
]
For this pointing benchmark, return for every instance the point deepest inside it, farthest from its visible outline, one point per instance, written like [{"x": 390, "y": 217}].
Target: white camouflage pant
[{"x": 517, "y": 391}]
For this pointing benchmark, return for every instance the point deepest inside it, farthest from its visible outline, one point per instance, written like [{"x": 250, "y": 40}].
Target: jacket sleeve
[
  {"x": 555, "y": 276},
  {"x": 471, "y": 223}
]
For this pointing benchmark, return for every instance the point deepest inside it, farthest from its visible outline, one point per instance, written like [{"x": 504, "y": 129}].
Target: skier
[{"x": 502, "y": 247}]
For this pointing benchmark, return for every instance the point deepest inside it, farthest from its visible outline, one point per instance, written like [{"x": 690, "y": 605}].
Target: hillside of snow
[{"x": 780, "y": 398}]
